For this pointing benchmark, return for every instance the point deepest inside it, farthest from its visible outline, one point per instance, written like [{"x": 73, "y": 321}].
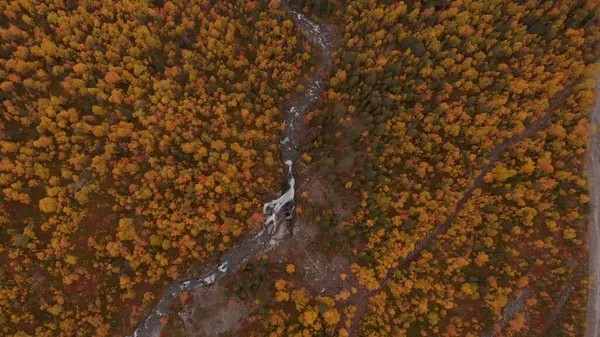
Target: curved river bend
[{"x": 279, "y": 214}]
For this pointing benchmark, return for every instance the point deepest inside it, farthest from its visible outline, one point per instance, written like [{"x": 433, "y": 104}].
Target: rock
[{"x": 291, "y": 155}]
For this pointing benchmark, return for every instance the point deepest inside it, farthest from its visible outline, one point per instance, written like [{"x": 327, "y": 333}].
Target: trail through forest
[
  {"x": 510, "y": 310},
  {"x": 494, "y": 157},
  {"x": 279, "y": 214},
  {"x": 593, "y": 316},
  {"x": 558, "y": 307}
]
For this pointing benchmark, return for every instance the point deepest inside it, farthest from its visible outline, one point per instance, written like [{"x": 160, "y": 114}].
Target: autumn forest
[{"x": 440, "y": 182}]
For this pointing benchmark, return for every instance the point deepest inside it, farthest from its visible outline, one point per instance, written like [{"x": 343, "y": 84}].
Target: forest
[{"x": 443, "y": 166}]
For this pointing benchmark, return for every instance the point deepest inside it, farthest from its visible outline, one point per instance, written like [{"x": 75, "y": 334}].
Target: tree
[{"x": 49, "y": 205}]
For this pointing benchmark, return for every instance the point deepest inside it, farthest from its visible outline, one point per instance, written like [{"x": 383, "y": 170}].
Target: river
[{"x": 279, "y": 213}]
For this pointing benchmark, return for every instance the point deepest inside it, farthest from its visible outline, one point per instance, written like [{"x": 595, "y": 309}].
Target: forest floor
[
  {"x": 213, "y": 313},
  {"x": 593, "y": 317}
]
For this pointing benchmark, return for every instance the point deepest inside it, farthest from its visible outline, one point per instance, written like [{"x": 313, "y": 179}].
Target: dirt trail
[
  {"x": 557, "y": 309},
  {"x": 593, "y": 316},
  {"x": 494, "y": 157},
  {"x": 279, "y": 213},
  {"x": 510, "y": 310}
]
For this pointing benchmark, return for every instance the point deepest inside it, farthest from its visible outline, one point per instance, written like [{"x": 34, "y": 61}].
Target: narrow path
[
  {"x": 510, "y": 310},
  {"x": 593, "y": 166},
  {"x": 557, "y": 309},
  {"x": 494, "y": 157},
  {"x": 279, "y": 214}
]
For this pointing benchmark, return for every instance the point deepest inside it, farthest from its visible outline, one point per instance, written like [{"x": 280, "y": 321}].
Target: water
[{"x": 279, "y": 213}]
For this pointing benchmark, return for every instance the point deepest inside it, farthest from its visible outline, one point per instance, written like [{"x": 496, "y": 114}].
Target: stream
[{"x": 279, "y": 213}]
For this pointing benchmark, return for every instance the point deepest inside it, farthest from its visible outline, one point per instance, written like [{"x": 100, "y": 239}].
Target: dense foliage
[
  {"x": 138, "y": 140},
  {"x": 421, "y": 96}
]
